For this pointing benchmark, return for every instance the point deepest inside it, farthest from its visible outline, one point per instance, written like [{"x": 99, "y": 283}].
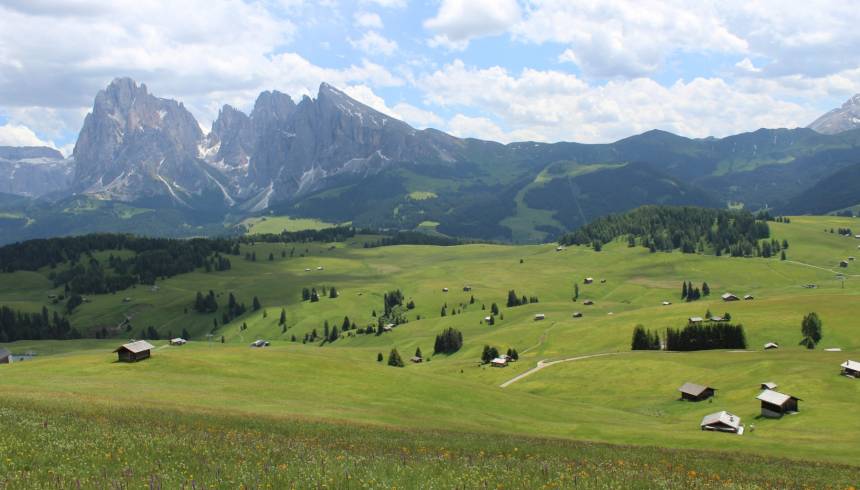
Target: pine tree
[
  {"x": 684, "y": 291},
  {"x": 494, "y": 309},
  {"x": 256, "y": 304},
  {"x": 782, "y": 255},
  {"x": 811, "y": 330},
  {"x": 706, "y": 290},
  {"x": 332, "y": 293},
  {"x": 379, "y": 357},
  {"x": 418, "y": 352},
  {"x": 394, "y": 359},
  {"x": 283, "y": 319}
]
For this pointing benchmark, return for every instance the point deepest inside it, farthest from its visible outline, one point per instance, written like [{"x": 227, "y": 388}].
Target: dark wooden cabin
[
  {"x": 775, "y": 404},
  {"x": 5, "y": 356},
  {"x": 696, "y": 393},
  {"x": 134, "y": 351}
]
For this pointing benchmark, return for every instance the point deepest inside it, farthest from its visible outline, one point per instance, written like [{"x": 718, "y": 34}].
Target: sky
[{"x": 506, "y": 70}]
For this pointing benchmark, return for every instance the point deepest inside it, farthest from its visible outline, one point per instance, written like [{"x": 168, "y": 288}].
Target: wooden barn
[
  {"x": 5, "y": 356},
  {"x": 768, "y": 385},
  {"x": 775, "y": 404},
  {"x": 417, "y": 359},
  {"x": 134, "y": 351},
  {"x": 771, "y": 346},
  {"x": 723, "y": 422},
  {"x": 696, "y": 393},
  {"x": 540, "y": 316},
  {"x": 588, "y": 280},
  {"x": 588, "y": 302},
  {"x": 729, "y": 297},
  {"x": 499, "y": 362},
  {"x": 178, "y": 341},
  {"x": 849, "y": 368},
  {"x": 577, "y": 314}
]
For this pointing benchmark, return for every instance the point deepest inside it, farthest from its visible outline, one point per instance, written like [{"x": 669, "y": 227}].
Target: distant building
[
  {"x": 540, "y": 316},
  {"x": 499, "y": 362},
  {"x": 134, "y": 351},
  {"x": 559, "y": 248},
  {"x": 695, "y": 393},
  {"x": 695, "y": 319},
  {"x": 588, "y": 302},
  {"x": 771, "y": 345},
  {"x": 577, "y": 314},
  {"x": 588, "y": 280},
  {"x": 722, "y": 422},
  {"x": 444, "y": 290},
  {"x": 667, "y": 303},
  {"x": 729, "y": 297},
  {"x": 260, "y": 343},
  {"x": 467, "y": 288},
  {"x": 417, "y": 359},
  {"x": 749, "y": 297},
  {"x": 768, "y": 385},
  {"x": 178, "y": 341},
  {"x": 851, "y": 368},
  {"x": 775, "y": 404},
  {"x": 717, "y": 318},
  {"x": 843, "y": 263},
  {"x": 5, "y": 356}
]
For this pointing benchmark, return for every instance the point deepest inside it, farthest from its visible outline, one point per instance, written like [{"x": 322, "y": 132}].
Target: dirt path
[
  {"x": 544, "y": 364},
  {"x": 822, "y": 268}
]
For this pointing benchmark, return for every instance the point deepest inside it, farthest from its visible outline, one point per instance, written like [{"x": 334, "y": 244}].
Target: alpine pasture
[{"x": 329, "y": 414}]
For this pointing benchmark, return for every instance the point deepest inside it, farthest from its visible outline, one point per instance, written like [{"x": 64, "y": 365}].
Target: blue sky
[{"x": 508, "y": 70}]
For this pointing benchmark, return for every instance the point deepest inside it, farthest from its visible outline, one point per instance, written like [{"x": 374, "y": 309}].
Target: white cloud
[
  {"x": 14, "y": 135},
  {"x": 747, "y": 65},
  {"x": 556, "y": 106},
  {"x": 459, "y": 21},
  {"x": 626, "y": 38},
  {"x": 368, "y": 20},
  {"x": 387, "y": 3},
  {"x": 372, "y": 43},
  {"x": 417, "y": 117}
]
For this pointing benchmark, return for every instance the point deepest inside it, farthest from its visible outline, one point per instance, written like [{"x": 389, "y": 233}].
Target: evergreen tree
[
  {"x": 494, "y": 309},
  {"x": 782, "y": 255},
  {"x": 256, "y": 304},
  {"x": 684, "y": 291},
  {"x": 448, "y": 342},
  {"x": 513, "y": 300},
  {"x": 379, "y": 357},
  {"x": 394, "y": 359},
  {"x": 332, "y": 293},
  {"x": 418, "y": 352},
  {"x": 283, "y": 319},
  {"x": 706, "y": 290},
  {"x": 811, "y": 330}
]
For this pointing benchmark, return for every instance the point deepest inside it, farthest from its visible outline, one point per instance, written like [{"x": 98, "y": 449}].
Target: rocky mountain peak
[{"x": 844, "y": 118}]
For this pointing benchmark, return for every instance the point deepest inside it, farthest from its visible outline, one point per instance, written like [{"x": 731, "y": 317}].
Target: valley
[{"x": 626, "y": 399}]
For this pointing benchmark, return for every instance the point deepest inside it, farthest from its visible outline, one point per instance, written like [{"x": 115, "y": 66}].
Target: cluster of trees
[
  {"x": 770, "y": 248},
  {"x": 448, "y": 342},
  {"x": 811, "y": 330},
  {"x": 325, "y": 235},
  {"x": 514, "y": 300},
  {"x": 413, "y": 238},
  {"x": 719, "y": 335},
  {"x": 313, "y": 296},
  {"x": 236, "y": 309},
  {"x": 645, "y": 339},
  {"x": 667, "y": 228},
  {"x": 153, "y": 258},
  {"x": 394, "y": 359},
  {"x": 689, "y": 293},
  {"x": 843, "y": 231},
  {"x": 19, "y": 325},
  {"x": 206, "y": 304}
]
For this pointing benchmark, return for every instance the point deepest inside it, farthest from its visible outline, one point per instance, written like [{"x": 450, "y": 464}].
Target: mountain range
[{"x": 142, "y": 163}]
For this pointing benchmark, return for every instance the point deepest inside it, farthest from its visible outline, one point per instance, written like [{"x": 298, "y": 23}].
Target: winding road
[{"x": 544, "y": 364}]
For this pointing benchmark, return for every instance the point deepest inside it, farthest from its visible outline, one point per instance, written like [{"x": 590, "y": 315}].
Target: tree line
[
  {"x": 693, "y": 337},
  {"x": 20, "y": 325},
  {"x": 686, "y": 228}
]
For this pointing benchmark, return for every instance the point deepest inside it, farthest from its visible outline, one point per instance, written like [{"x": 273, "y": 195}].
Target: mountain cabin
[
  {"x": 775, "y": 404},
  {"x": 134, "y": 351},
  {"x": 723, "y": 422},
  {"x": 849, "y": 368},
  {"x": 5, "y": 356},
  {"x": 729, "y": 297},
  {"x": 696, "y": 393}
]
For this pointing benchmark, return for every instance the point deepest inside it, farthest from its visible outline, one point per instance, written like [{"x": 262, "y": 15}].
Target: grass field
[
  {"x": 278, "y": 224},
  {"x": 307, "y": 392}
]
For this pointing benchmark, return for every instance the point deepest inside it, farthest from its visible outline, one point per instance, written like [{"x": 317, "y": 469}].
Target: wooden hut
[
  {"x": 771, "y": 346},
  {"x": 722, "y": 422},
  {"x": 749, "y": 297},
  {"x": 695, "y": 319},
  {"x": 851, "y": 368},
  {"x": 729, "y": 297},
  {"x": 775, "y": 404},
  {"x": 417, "y": 359},
  {"x": 768, "y": 385},
  {"x": 843, "y": 263},
  {"x": 178, "y": 341},
  {"x": 5, "y": 356},
  {"x": 134, "y": 351},
  {"x": 696, "y": 393},
  {"x": 577, "y": 314},
  {"x": 588, "y": 302},
  {"x": 588, "y": 280},
  {"x": 499, "y": 362},
  {"x": 540, "y": 316}
]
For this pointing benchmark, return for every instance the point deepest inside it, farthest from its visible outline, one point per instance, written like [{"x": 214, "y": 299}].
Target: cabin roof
[
  {"x": 852, "y": 365},
  {"x": 499, "y": 360},
  {"x": 693, "y": 389},
  {"x": 723, "y": 417},
  {"x": 136, "y": 347},
  {"x": 728, "y": 295},
  {"x": 775, "y": 397}
]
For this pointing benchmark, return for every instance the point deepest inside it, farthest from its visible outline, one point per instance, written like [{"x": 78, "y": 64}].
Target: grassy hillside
[{"x": 621, "y": 398}]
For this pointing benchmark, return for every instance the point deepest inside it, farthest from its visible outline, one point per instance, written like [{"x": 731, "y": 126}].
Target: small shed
[
  {"x": 696, "y": 393},
  {"x": 717, "y": 318},
  {"x": 488, "y": 319},
  {"x": 722, "y": 422},
  {"x": 559, "y": 248},
  {"x": 320, "y": 268},
  {"x": 134, "y": 351},
  {"x": 851, "y": 368},
  {"x": 843, "y": 263},
  {"x": 768, "y": 385},
  {"x": 540, "y": 316},
  {"x": 771, "y": 346},
  {"x": 260, "y": 343},
  {"x": 417, "y": 359},
  {"x": 667, "y": 303},
  {"x": 577, "y": 314},
  {"x": 588, "y": 280},
  {"x": 695, "y": 319},
  {"x": 775, "y": 404},
  {"x": 499, "y": 362},
  {"x": 444, "y": 290},
  {"x": 178, "y": 341},
  {"x": 729, "y": 297},
  {"x": 588, "y": 302},
  {"x": 5, "y": 356},
  {"x": 749, "y": 297},
  {"x": 467, "y": 288}
]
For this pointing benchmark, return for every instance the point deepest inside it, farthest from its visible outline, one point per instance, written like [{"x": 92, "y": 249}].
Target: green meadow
[{"x": 221, "y": 414}]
